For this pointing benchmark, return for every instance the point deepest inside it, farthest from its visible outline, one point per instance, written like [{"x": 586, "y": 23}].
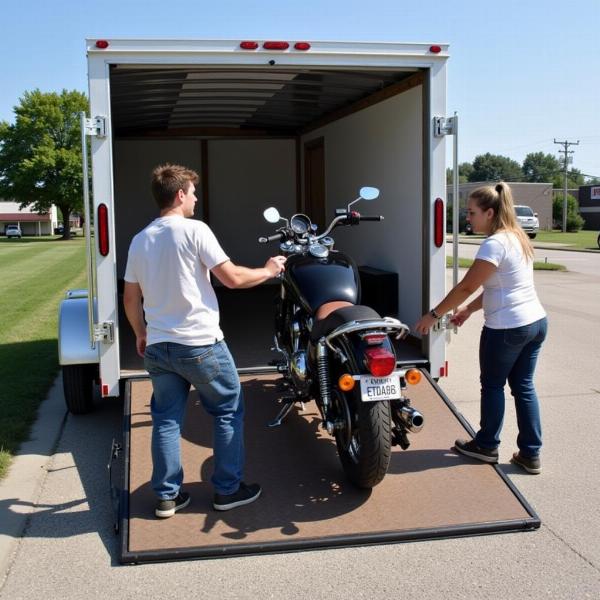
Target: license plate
[{"x": 373, "y": 389}]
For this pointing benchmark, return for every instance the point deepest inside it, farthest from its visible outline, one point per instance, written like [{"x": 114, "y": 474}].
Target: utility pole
[{"x": 567, "y": 160}]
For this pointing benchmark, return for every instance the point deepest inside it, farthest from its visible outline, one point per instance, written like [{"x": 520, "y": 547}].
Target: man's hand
[
  {"x": 140, "y": 345},
  {"x": 461, "y": 315},
  {"x": 424, "y": 324},
  {"x": 275, "y": 265}
]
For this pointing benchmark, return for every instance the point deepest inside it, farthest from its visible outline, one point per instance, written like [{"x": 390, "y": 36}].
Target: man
[{"x": 182, "y": 345}]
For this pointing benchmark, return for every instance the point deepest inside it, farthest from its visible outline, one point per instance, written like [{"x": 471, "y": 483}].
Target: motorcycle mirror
[
  {"x": 271, "y": 215},
  {"x": 369, "y": 193}
]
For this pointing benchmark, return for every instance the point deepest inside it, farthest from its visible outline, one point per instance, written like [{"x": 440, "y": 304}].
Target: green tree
[
  {"x": 494, "y": 167},
  {"x": 464, "y": 170},
  {"x": 40, "y": 154},
  {"x": 574, "y": 179},
  {"x": 574, "y": 220},
  {"x": 540, "y": 168}
]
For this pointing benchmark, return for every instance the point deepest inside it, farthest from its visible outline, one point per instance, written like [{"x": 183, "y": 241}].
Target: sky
[{"x": 521, "y": 73}]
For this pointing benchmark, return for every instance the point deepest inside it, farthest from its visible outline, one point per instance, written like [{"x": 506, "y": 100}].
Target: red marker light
[
  {"x": 276, "y": 45},
  {"x": 435, "y": 49},
  {"x": 302, "y": 46},
  {"x": 102, "y": 44},
  {"x": 438, "y": 222},
  {"x": 248, "y": 45},
  {"x": 102, "y": 224}
]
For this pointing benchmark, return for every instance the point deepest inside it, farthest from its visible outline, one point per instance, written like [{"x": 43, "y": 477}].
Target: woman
[{"x": 515, "y": 326}]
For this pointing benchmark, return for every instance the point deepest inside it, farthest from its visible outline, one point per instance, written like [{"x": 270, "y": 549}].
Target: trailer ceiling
[{"x": 184, "y": 100}]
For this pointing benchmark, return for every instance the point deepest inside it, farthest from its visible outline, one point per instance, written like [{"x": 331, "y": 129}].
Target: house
[
  {"x": 536, "y": 195},
  {"x": 30, "y": 222}
]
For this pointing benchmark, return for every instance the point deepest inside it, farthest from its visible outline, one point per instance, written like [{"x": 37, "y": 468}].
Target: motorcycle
[{"x": 337, "y": 351}]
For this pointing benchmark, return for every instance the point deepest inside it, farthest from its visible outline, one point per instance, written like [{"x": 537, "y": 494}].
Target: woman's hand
[
  {"x": 424, "y": 324},
  {"x": 461, "y": 315}
]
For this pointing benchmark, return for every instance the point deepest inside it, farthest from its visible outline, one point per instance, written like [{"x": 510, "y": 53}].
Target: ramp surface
[{"x": 429, "y": 491}]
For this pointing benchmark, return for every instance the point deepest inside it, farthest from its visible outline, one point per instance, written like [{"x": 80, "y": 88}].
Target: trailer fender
[{"x": 74, "y": 346}]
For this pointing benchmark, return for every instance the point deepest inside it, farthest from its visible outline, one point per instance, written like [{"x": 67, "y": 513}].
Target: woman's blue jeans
[
  {"x": 211, "y": 370},
  {"x": 510, "y": 354}
]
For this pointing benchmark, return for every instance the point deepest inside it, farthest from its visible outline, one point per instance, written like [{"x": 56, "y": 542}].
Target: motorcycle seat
[{"x": 338, "y": 317}]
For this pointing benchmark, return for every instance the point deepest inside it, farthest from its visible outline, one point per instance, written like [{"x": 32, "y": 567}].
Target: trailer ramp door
[{"x": 429, "y": 492}]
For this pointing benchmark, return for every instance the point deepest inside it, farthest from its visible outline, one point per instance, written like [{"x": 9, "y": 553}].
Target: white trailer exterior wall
[{"x": 323, "y": 55}]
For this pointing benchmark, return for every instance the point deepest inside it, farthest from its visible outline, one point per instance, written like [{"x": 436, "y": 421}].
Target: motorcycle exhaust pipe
[{"x": 412, "y": 419}]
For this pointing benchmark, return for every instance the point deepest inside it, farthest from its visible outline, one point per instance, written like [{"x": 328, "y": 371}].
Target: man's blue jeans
[
  {"x": 510, "y": 354},
  {"x": 211, "y": 370}
]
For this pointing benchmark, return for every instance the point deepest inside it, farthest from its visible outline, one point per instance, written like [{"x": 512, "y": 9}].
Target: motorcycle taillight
[{"x": 380, "y": 362}]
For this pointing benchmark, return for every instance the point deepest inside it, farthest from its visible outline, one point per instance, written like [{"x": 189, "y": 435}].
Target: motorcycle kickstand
[{"x": 284, "y": 412}]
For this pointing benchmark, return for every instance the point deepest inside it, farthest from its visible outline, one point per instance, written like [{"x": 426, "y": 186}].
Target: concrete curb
[{"x": 20, "y": 489}]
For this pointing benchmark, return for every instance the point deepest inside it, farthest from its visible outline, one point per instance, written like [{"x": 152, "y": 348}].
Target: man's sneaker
[
  {"x": 531, "y": 465},
  {"x": 470, "y": 448},
  {"x": 167, "y": 508},
  {"x": 245, "y": 495}
]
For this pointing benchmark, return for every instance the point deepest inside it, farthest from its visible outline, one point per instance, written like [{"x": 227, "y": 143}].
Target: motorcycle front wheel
[{"x": 363, "y": 438}]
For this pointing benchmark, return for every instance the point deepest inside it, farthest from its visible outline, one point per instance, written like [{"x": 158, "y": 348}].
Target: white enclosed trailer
[{"x": 300, "y": 126}]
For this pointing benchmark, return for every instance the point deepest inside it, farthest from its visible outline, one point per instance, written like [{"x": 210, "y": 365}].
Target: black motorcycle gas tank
[{"x": 314, "y": 281}]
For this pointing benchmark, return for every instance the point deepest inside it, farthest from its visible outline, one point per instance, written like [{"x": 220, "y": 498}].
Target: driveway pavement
[{"x": 69, "y": 549}]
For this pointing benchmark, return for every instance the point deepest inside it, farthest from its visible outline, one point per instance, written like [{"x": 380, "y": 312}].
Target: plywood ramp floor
[{"x": 429, "y": 491}]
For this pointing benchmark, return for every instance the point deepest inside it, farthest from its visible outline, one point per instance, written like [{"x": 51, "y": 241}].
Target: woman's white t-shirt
[
  {"x": 509, "y": 296},
  {"x": 170, "y": 260}
]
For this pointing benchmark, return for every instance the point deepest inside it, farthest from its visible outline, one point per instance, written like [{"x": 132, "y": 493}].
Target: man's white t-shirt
[
  {"x": 509, "y": 296},
  {"x": 170, "y": 260}
]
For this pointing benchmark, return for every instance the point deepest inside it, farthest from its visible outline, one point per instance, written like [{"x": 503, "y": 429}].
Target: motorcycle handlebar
[
  {"x": 271, "y": 238},
  {"x": 371, "y": 218}
]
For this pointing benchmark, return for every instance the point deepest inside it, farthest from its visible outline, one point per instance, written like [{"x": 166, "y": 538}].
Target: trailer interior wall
[
  {"x": 381, "y": 146},
  {"x": 134, "y": 206},
  {"x": 244, "y": 178}
]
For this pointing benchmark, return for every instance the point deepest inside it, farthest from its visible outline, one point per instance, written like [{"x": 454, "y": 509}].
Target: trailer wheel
[
  {"x": 78, "y": 387},
  {"x": 364, "y": 439}
]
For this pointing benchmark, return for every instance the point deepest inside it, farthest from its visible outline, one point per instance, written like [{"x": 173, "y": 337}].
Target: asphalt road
[{"x": 69, "y": 550}]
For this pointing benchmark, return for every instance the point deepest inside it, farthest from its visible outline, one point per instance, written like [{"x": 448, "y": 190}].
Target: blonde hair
[{"x": 499, "y": 199}]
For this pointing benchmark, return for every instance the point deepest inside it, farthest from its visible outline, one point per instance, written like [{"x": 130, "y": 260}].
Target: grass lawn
[
  {"x": 465, "y": 263},
  {"x": 35, "y": 274},
  {"x": 582, "y": 240}
]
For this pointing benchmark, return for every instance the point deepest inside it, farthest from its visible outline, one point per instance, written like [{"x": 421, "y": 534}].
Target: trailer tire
[
  {"x": 366, "y": 455},
  {"x": 78, "y": 387}
]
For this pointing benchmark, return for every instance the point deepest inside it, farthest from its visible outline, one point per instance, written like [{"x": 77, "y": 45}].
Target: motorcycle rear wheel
[{"x": 364, "y": 439}]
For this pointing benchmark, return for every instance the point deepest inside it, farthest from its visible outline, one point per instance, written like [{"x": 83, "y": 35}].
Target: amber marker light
[
  {"x": 346, "y": 383},
  {"x": 412, "y": 376}
]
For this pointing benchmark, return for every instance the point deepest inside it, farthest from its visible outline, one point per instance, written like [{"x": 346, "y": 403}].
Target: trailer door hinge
[
  {"x": 444, "y": 126},
  {"x": 104, "y": 332},
  {"x": 96, "y": 126}
]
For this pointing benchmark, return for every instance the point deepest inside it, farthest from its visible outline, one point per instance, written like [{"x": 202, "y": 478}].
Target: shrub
[{"x": 574, "y": 220}]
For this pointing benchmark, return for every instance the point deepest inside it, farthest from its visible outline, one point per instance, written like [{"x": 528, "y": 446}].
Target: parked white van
[{"x": 527, "y": 219}]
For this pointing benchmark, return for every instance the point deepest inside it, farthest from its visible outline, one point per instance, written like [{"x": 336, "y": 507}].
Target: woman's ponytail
[{"x": 499, "y": 199}]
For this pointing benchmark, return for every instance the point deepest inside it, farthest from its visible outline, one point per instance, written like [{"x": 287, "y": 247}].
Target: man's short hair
[{"x": 168, "y": 179}]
